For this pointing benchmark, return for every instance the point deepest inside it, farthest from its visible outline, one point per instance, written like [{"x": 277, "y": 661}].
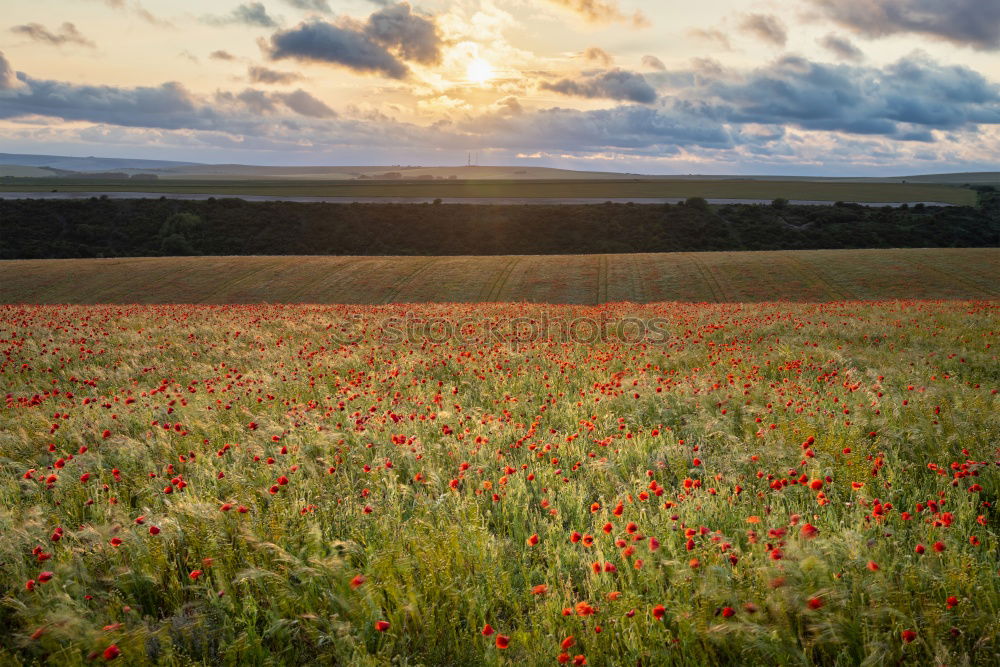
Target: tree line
[{"x": 104, "y": 227}]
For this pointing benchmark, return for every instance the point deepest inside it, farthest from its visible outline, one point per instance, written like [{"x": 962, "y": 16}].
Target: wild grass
[{"x": 422, "y": 468}]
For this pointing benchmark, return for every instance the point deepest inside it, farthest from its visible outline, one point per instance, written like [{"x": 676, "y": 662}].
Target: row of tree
[{"x": 102, "y": 227}]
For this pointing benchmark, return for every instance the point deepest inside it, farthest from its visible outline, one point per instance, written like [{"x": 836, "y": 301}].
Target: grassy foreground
[
  {"x": 502, "y": 484},
  {"x": 805, "y": 275},
  {"x": 735, "y": 189}
]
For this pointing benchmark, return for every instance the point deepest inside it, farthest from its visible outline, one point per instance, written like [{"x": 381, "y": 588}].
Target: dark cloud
[
  {"x": 596, "y": 54},
  {"x": 903, "y": 100},
  {"x": 413, "y": 37},
  {"x": 603, "y": 11},
  {"x": 389, "y": 37},
  {"x": 615, "y": 84},
  {"x": 8, "y": 79},
  {"x": 305, "y": 104},
  {"x": 67, "y": 34},
  {"x": 638, "y": 129},
  {"x": 258, "y": 74},
  {"x": 321, "y": 6},
  {"x": 974, "y": 23},
  {"x": 841, "y": 47},
  {"x": 652, "y": 62},
  {"x": 318, "y": 41},
  {"x": 221, "y": 55},
  {"x": 765, "y": 27},
  {"x": 168, "y": 105},
  {"x": 250, "y": 13}
]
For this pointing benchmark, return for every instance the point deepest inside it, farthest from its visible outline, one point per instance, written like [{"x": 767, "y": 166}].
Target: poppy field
[{"x": 669, "y": 483}]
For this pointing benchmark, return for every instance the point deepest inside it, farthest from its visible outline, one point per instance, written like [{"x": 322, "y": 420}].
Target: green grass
[
  {"x": 425, "y": 464},
  {"x": 597, "y": 189},
  {"x": 805, "y": 275}
]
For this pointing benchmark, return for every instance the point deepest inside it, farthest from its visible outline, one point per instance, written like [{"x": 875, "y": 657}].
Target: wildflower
[
  {"x": 909, "y": 636},
  {"x": 503, "y": 641},
  {"x": 533, "y": 540},
  {"x": 357, "y": 581},
  {"x": 381, "y": 626},
  {"x": 814, "y": 603},
  {"x": 112, "y": 652},
  {"x": 659, "y": 611},
  {"x": 487, "y": 630},
  {"x": 728, "y": 612}
]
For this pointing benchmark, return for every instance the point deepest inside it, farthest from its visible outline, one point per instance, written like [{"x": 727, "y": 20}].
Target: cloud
[
  {"x": 68, "y": 34},
  {"x": 765, "y": 27},
  {"x": 904, "y": 100},
  {"x": 639, "y": 129},
  {"x": 390, "y": 36},
  {"x": 321, "y": 6},
  {"x": 974, "y": 23},
  {"x": 615, "y": 84},
  {"x": 711, "y": 35},
  {"x": 413, "y": 37},
  {"x": 8, "y": 78},
  {"x": 652, "y": 62},
  {"x": 596, "y": 54},
  {"x": 318, "y": 41},
  {"x": 258, "y": 74},
  {"x": 250, "y": 13},
  {"x": 221, "y": 55},
  {"x": 603, "y": 11},
  {"x": 137, "y": 9},
  {"x": 841, "y": 47},
  {"x": 789, "y": 110},
  {"x": 305, "y": 104}
]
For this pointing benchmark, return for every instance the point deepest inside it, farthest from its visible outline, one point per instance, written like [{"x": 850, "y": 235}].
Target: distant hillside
[
  {"x": 23, "y": 164},
  {"x": 86, "y": 164}
]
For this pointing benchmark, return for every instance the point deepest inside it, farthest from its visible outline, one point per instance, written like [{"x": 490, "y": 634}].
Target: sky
[{"x": 800, "y": 87}]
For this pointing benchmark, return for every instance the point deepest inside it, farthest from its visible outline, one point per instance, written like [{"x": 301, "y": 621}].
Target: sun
[{"x": 479, "y": 71}]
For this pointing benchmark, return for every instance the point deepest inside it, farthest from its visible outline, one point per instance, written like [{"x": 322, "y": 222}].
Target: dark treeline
[{"x": 102, "y": 227}]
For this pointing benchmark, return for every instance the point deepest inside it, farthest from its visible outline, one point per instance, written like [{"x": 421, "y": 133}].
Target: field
[
  {"x": 820, "y": 275},
  {"x": 559, "y": 188},
  {"x": 452, "y": 484}
]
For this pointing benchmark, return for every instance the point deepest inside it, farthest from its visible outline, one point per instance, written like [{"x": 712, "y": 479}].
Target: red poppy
[
  {"x": 939, "y": 547},
  {"x": 728, "y": 612},
  {"x": 112, "y": 652},
  {"x": 533, "y": 540},
  {"x": 659, "y": 611},
  {"x": 503, "y": 641},
  {"x": 487, "y": 630},
  {"x": 357, "y": 580},
  {"x": 381, "y": 626},
  {"x": 195, "y": 574},
  {"x": 909, "y": 636},
  {"x": 815, "y": 603}
]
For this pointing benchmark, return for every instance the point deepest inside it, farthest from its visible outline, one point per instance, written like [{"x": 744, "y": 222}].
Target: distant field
[
  {"x": 597, "y": 189},
  {"x": 805, "y": 275}
]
